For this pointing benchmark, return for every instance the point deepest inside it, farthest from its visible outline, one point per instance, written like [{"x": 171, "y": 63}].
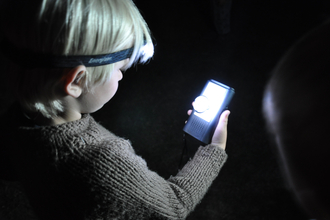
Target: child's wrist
[{"x": 222, "y": 146}]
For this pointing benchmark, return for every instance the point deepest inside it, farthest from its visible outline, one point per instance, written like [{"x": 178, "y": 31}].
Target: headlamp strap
[{"x": 30, "y": 59}]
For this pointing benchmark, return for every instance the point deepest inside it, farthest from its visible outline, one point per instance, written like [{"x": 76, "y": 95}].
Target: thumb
[{"x": 220, "y": 134}]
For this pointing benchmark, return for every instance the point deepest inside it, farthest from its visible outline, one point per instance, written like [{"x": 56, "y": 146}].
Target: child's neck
[
  {"x": 38, "y": 119},
  {"x": 66, "y": 117}
]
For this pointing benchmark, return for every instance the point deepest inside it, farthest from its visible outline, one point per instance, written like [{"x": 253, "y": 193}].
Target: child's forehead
[{"x": 122, "y": 63}]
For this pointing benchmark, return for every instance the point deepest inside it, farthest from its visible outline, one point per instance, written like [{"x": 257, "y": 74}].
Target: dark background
[{"x": 151, "y": 103}]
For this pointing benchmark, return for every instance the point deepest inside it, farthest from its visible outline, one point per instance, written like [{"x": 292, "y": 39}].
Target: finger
[
  {"x": 189, "y": 112},
  {"x": 224, "y": 117}
]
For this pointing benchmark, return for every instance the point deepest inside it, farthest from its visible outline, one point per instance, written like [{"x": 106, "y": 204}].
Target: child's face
[{"x": 101, "y": 94}]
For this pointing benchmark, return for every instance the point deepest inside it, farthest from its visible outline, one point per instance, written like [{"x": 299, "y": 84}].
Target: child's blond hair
[{"x": 69, "y": 27}]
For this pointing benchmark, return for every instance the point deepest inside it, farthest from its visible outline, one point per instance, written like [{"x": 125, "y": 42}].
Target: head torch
[{"x": 30, "y": 59}]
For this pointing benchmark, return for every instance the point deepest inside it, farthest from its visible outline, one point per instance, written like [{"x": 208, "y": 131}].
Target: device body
[{"x": 208, "y": 107}]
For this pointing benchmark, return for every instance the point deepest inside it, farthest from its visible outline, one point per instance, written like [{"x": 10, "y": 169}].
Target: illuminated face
[{"x": 101, "y": 94}]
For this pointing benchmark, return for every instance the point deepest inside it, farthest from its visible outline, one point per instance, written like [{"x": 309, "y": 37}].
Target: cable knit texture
[{"x": 80, "y": 170}]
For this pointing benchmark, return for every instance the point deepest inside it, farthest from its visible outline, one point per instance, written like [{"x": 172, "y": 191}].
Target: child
[
  {"x": 296, "y": 107},
  {"x": 68, "y": 56}
]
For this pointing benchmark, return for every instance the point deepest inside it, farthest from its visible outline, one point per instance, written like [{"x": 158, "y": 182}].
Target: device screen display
[{"x": 207, "y": 105}]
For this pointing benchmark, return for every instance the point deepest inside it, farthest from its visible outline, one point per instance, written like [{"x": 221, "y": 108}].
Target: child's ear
[{"x": 72, "y": 85}]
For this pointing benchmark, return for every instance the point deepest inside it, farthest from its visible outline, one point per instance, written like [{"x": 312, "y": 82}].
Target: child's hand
[{"x": 220, "y": 134}]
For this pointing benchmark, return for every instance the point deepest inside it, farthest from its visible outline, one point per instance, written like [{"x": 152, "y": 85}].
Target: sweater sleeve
[{"x": 127, "y": 189}]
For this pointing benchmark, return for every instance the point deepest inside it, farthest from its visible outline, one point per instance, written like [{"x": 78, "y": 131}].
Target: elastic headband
[{"x": 31, "y": 59}]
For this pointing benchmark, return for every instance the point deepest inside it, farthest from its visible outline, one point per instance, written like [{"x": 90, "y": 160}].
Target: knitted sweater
[{"x": 80, "y": 170}]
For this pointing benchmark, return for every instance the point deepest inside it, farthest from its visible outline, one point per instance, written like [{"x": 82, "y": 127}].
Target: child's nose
[{"x": 120, "y": 77}]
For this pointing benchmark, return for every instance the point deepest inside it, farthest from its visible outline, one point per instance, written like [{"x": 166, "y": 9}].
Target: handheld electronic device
[{"x": 208, "y": 107}]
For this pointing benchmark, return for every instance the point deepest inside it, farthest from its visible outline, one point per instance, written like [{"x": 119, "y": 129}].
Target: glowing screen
[{"x": 215, "y": 96}]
